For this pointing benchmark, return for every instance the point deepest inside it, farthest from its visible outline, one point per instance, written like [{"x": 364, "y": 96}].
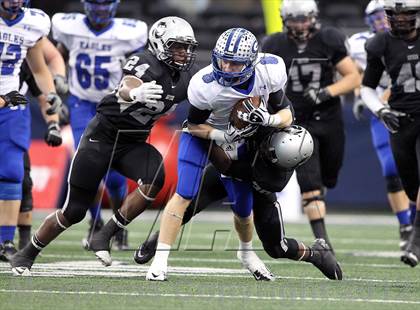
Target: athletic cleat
[
  {"x": 323, "y": 259},
  {"x": 411, "y": 255},
  {"x": 147, "y": 249},
  {"x": 7, "y": 250},
  {"x": 254, "y": 264},
  {"x": 157, "y": 273},
  {"x": 93, "y": 229},
  {"x": 405, "y": 232},
  {"x": 21, "y": 264},
  {"x": 100, "y": 245},
  {"x": 121, "y": 240}
]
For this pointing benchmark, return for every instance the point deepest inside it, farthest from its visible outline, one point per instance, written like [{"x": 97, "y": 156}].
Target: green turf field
[{"x": 67, "y": 277}]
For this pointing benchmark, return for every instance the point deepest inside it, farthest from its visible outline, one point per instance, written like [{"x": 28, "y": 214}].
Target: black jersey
[
  {"x": 401, "y": 60},
  {"x": 312, "y": 65},
  {"x": 138, "y": 118}
]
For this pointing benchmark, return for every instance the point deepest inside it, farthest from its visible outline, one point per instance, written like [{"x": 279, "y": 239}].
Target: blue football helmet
[
  {"x": 100, "y": 12},
  {"x": 236, "y": 45},
  {"x": 13, "y": 7},
  {"x": 375, "y": 16}
]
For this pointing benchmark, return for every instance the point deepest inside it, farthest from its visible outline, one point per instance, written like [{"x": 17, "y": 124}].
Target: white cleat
[
  {"x": 21, "y": 272},
  {"x": 104, "y": 257},
  {"x": 157, "y": 273},
  {"x": 254, "y": 264}
]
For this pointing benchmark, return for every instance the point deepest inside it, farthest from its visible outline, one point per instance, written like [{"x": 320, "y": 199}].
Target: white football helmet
[
  {"x": 289, "y": 147},
  {"x": 300, "y": 18},
  {"x": 237, "y": 45},
  {"x": 375, "y": 16},
  {"x": 167, "y": 31},
  {"x": 403, "y": 16}
]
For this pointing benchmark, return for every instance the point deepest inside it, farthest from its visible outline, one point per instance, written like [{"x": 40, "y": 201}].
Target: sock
[
  {"x": 7, "y": 233},
  {"x": 162, "y": 254},
  {"x": 319, "y": 230},
  {"x": 413, "y": 212},
  {"x": 33, "y": 248},
  {"x": 111, "y": 228},
  {"x": 245, "y": 246},
  {"x": 95, "y": 212},
  {"x": 404, "y": 217},
  {"x": 24, "y": 235}
]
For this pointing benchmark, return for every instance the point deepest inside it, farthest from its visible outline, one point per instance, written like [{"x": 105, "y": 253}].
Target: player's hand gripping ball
[{"x": 240, "y": 107}]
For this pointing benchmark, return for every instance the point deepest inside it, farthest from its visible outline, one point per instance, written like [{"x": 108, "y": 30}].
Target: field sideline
[{"x": 205, "y": 272}]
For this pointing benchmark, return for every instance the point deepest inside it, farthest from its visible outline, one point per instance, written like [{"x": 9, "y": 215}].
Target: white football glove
[
  {"x": 258, "y": 116},
  {"x": 233, "y": 134},
  {"x": 148, "y": 93}
]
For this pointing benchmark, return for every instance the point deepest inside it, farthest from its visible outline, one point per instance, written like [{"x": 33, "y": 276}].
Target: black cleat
[
  {"x": 147, "y": 249},
  {"x": 100, "y": 245},
  {"x": 21, "y": 264},
  {"x": 93, "y": 229},
  {"x": 411, "y": 255},
  {"x": 405, "y": 233},
  {"x": 323, "y": 259},
  {"x": 7, "y": 250},
  {"x": 121, "y": 240}
]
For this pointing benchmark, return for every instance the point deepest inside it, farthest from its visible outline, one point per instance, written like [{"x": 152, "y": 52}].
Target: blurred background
[{"x": 361, "y": 186}]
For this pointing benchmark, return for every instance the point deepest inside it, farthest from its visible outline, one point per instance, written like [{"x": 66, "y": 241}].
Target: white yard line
[
  {"x": 121, "y": 270},
  {"x": 216, "y": 296}
]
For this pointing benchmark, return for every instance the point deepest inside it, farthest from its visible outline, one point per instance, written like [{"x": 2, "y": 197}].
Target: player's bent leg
[
  {"x": 169, "y": 228},
  {"x": 135, "y": 203},
  {"x": 73, "y": 212}
]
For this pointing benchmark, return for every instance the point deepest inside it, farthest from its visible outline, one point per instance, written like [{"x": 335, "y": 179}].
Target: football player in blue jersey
[
  {"x": 22, "y": 32},
  {"x": 398, "y": 200},
  {"x": 95, "y": 45}
]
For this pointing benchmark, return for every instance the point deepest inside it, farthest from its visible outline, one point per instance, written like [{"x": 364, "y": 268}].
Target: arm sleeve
[
  {"x": 373, "y": 72},
  {"x": 197, "y": 116}
]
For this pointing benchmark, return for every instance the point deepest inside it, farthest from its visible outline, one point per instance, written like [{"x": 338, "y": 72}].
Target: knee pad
[
  {"x": 288, "y": 248},
  {"x": 393, "y": 184},
  {"x": 10, "y": 190},
  {"x": 77, "y": 203}
]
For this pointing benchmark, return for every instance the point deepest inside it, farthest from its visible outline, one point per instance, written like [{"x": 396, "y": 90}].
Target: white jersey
[
  {"x": 357, "y": 44},
  {"x": 206, "y": 94},
  {"x": 96, "y": 58},
  {"x": 16, "y": 37}
]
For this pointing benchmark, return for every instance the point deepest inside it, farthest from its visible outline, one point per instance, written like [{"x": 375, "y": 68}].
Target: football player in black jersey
[
  {"x": 274, "y": 154},
  {"x": 154, "y": 82},
  {"x": 398, "y": 52},
  {"x": 313, "y": 54}
]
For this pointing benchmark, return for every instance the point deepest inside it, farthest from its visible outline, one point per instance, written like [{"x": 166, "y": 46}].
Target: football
[{"x": 234, "y": 119}]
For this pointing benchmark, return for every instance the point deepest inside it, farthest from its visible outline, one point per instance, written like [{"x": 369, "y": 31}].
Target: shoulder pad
[
  {"x": 38, "y": 20},
  {"x": 377, "y": 44}
]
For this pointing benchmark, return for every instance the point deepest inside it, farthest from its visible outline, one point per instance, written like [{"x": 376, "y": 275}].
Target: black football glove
[
  {"x": 53, "y": 136},
  {"x": 316, "y": 96},
  {"x": 61, "y": 85},
  {"x": 391, "y": 118},
  {"x": 13, "y": 98},
  {"x": 55, "y": 103}
]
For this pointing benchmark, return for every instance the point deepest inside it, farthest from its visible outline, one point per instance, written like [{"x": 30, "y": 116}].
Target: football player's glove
[
  {"x": 233, "y": 134},
  {"x": 391, "y": 118},
  {"x": 53, "y": 135},
  {"x": 55, "y": 103},
  {"x": 61, "y": 85},
  {"x": 258, "y": 116},
  {"x": 317, "y": 96},
  {"x": 148, "y": 93},
  {"x": 13, "y": 98}
]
